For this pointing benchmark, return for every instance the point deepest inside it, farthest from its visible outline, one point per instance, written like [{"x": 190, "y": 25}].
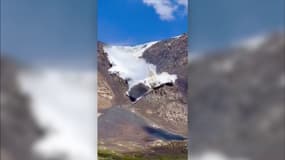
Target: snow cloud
[
  {"x": 166, "y": 9},
  {"x": 63, "y": 104}
]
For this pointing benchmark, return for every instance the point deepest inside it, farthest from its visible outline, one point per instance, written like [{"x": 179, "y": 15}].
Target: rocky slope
[
  {"x": 109, "y": 85},
  {"x": 129, "y": 126},
  {"x": 18, "y": 128},
  {"x": 237, "y": 101}
]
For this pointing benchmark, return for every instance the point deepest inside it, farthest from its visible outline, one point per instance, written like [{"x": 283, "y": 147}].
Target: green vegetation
[{"x": 110, "y": 155}]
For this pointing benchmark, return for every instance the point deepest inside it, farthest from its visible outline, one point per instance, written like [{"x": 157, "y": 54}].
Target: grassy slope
[{"x": 109, "y": 155}]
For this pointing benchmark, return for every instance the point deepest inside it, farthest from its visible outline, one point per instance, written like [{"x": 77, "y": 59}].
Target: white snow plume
[
  {"x": 129, "y": 65},
  {"x": 254, "y": 42},
  {"x": 64, "y": 103}
]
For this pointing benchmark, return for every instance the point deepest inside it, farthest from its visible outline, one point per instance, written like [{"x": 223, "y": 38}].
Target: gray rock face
[
  {"x": 171, "y": 56},
  {"x": 18, "y": 128},
  {"x": 167, "y": 105},
  {"x": 237, "y": 101}
]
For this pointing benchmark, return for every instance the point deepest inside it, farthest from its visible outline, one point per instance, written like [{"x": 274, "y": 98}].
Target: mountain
[
  {"x": 237, "y": 101},
  {"x": 142, "y": 95},
  {"x": 236, "y": 104}
]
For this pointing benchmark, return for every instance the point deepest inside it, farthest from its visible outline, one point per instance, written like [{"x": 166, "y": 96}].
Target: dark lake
[{"x": 162, "y": 134}]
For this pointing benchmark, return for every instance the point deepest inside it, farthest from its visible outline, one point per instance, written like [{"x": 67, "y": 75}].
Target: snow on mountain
[
  {"x": 64, "y": 103},
  {"x": 213, "y": 155},
  {"x": 127, "y": 63},
  {"x": 253, "y": 43}
]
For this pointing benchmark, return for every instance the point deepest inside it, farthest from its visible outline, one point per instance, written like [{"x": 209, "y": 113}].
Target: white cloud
[
  {"x": 183, "y": 3},
  {"x": 166, "y": 8}
]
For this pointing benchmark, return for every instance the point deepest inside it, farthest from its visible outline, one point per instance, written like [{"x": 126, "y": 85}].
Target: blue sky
[
  {"x": 138, "y": 21},
  {"x": 213, "y": 23},
  {"x": 220, "y": 23},
  {"x": 49, "y": 31},
  {"x": 65, "y": 30}
]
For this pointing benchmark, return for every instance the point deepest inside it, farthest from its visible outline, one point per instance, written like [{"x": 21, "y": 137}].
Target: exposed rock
[
  {"x": 171, "y": 56},
  {"x": 138, "y": 91},
  {"x": 237, "y": 102},
  {"x": 105, "y": 94}
]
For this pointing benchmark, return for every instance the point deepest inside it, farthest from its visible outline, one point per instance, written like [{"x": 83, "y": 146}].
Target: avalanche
[
  {"x": 64, "y": 104},
  {"x": 127, "y": 62}
]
